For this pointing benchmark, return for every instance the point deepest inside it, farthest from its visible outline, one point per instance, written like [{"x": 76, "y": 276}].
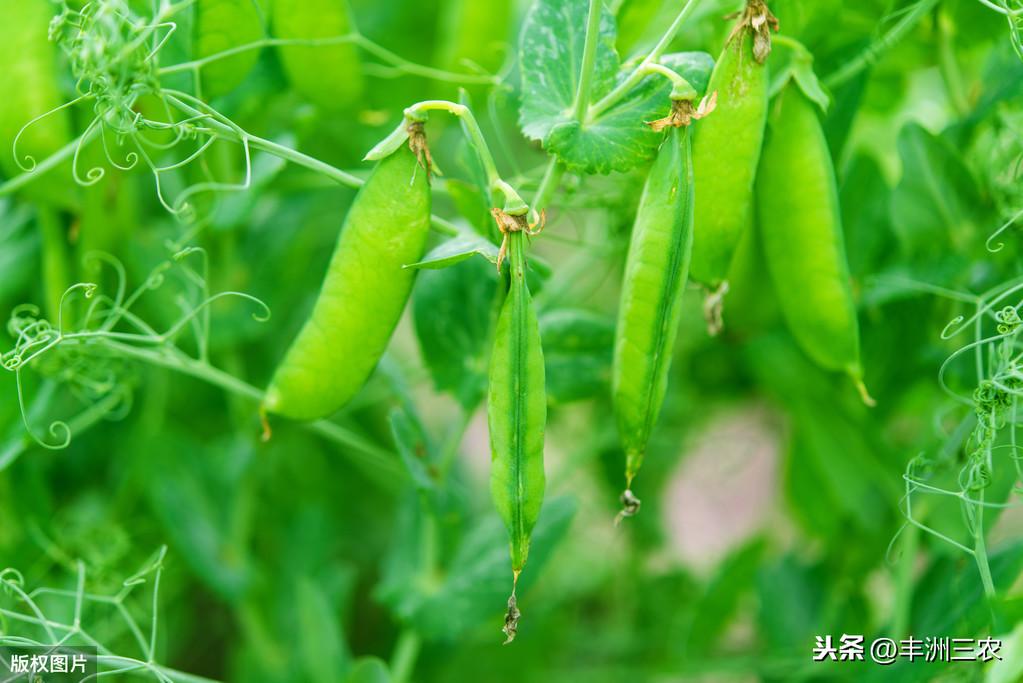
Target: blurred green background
[{"x": 773, "y": 500}]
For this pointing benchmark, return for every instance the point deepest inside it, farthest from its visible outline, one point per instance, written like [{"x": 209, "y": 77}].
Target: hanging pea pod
[
  {"x": 726, "y": 150},
  {"x": 800, "y": 227},
  {"x": 326, "y": 71},
  {"x": 222, "y": 25},
  {"x": 656, "y": 271},
  {"x": 364, "y": 292},
  {"x": 28, "y": 81},
  {"x": 516, "y": 410}
]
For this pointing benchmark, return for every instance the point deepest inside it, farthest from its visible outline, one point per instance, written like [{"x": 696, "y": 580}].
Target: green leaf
[
  {"x": 716, "y": 607},
  {"x": 864, "y": 197},
  {"x": 577, "y": 350},
  {"x": 795, "y": 63},
  {"x": 933, "y": 205},
  {"x": 452, "y": 314},
  {"x": 322, "y": 640},
  {"x": 413, "y": 447},
  {"x": 456, "y": 250},
  {"x": 369, "y": 670},
  {"x": 551, "y": 51}
]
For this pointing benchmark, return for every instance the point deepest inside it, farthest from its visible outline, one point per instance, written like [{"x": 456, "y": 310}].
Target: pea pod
[
  {"x": 726, "y": 148},
  {"x": 28, "y": 81},
  {"x": 221, "y": 25},
  {"x": 656, "y": 270},
  {"x": 517, "y": 415},
  {"x": 363, "y": 295},
  {"x": 328, "y": 72},
  {"x": 800, "y": 227}
]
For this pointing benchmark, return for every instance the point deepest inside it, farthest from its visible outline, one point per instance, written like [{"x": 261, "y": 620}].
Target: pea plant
[{"x": 572, "y": 234}]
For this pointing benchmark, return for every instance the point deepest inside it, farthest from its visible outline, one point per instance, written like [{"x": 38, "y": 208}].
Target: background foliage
[{"x": 774, "y": 500}]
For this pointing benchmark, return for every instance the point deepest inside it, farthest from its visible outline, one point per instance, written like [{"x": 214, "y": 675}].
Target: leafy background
[{"x": 771, "y": 495}]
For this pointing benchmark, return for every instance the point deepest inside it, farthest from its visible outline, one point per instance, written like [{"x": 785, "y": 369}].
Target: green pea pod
[
  {"x": 363, "y": 295},
  {"x": 726, "y": 148},
  {"x": 28, "y": 81},
  {"x": 222, "y": 25},
  {"x": 656, "y": 270},
  {"x": 475, "y": 32},
  {"x": 801, "y": 231},
  {"x": 517, "y": 415},
  {"x": 327, "y": 72}
]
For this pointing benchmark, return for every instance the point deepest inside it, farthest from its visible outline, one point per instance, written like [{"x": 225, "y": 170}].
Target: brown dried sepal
[
  {"x": 759, "y": 20},
  {"x": 511, "y": 620},
  {"x": 417, "y": 143},
  {"x": 683, "y": 113},
  {"x": 713, "y": 309},
  {"x": 508, "y": 224},
  {"x": 630, "y": 506}
]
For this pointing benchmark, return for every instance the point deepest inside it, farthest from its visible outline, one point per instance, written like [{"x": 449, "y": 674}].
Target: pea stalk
[
  {"x": 640, "y": 71},
  {"x": 418, "y": 113},
  {"x": 356, "y": 38}
]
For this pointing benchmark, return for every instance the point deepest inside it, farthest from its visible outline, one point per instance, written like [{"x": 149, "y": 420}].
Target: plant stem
[
  {"x": 949, "y": 67},
  {"x": 513, "y": 203},
  {"x": 454, "y": 440},
  {"x": 355, "y": 38},
  {"x": 904, "y": 582},
  {"x": 869, "y": 56},
  {"x": 549, "y": 184},
  {"x": 378, "y": 463},
  {"x": 582, "y": 92},
  {"x": 980, "y": 549},
  {"x": 637, "y": 74},
  {"x": 234, "y": 135},
  {"x": 61, "y": 155},
  {"x": 406, "y": 651}
]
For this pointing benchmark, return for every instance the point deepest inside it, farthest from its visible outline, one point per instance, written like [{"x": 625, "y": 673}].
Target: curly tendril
[{"x": 88, "y": 353}]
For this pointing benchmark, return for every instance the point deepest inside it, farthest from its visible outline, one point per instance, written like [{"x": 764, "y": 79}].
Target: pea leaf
[
  {"x": 369, "y": 670},
  {"x": 413, "y": 447},
  {"x": 577, "y": 349},
  {"x": 933, "y": 205},
  {"x": 551, "y": 51},
  {"x": 322, "y": 642},
  {"x": 456, "y": 250},
  {"x": 452, "y": 313}
]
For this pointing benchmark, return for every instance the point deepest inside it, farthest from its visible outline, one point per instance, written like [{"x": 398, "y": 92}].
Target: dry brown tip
[
  {"x": 713, "y": 309},
  {"x": 419, "y": 146},
  {"x": 758, "y": 20},
  {"x": 511, "y": 617},
  {"x": 263, "y": 420},
  {"x": 630, "y": 506}
]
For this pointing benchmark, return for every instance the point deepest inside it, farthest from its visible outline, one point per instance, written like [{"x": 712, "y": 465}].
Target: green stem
[
  {"x": 406, "y": 651},
  {"x": 377, "y": 463},
  {"x": 582, "y": 92},
  {"x": 638, "y": 73},
  {"x": 228, "y": 133},
  {"x": 84, "y": 420},
  {"x": 549, "y": 184},
  {"x": 61, "y": 155},
  {"x": 869, "y": 56},
  {"x": 980, "y": 549},
  {"x": 358, "y": 39},
  {"x": 904, "y": 582},
  {"x": 678, "y": 83},
  {"x": 513, "y": 203},
  {"x": 949, "y": 67},
  {"x": 453, "y": 441}
]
